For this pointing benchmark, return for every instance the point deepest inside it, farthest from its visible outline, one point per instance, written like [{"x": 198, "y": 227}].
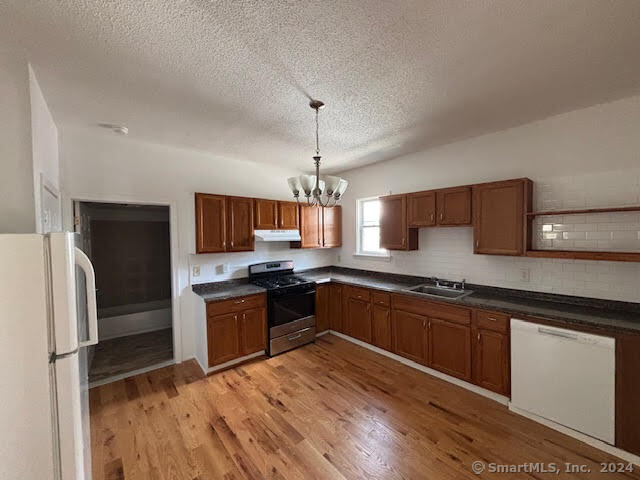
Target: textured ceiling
[{"x": 232, "y": 77}]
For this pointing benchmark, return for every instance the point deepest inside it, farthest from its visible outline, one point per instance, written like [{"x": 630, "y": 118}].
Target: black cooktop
[{"x": 280, "y": 281}]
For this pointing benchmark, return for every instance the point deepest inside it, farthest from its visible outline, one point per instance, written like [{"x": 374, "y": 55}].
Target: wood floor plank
[{"x": 329, "y": 410}]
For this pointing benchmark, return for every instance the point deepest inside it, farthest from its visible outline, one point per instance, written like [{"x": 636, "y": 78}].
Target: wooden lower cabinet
[
  {"x": 450, "y": 348},
  {"x": 223, "y": 338},
  {"x": 409, "y": 335},
  {"x": 253, "y": 330},
  {"x": 335, "y": 308},
  {"x": 358, "y": 319},
  {"x": 322, "y": 307},
  {"x": 491, "y": 360},
  {"x": 381, "y": 327},
  {"x": 236, "y": 327}
]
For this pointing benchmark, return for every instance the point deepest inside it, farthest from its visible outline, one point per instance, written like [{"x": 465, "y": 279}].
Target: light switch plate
[
  {"x": 195, "y": 269},
  {"x": 524, "y": 274}
]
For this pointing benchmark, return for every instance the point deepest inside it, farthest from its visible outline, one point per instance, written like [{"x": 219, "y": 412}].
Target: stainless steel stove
[{"x": 291, "y": 305}]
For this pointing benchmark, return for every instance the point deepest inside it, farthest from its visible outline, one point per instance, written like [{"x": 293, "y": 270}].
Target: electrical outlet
[
  {"x": 524, "y": 274},
  {"x": 195, "y": 270}
]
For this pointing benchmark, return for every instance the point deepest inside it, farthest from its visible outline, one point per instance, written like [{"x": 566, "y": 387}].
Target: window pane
[
  {"x": 371, "y": 212},
  {"x": 371, "y": 239}
]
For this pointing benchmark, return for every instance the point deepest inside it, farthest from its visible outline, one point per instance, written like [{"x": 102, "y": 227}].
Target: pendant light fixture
[{"x": 325, "y": 191}]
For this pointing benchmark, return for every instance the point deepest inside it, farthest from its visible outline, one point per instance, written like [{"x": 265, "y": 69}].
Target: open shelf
[
  {"x": 586, "y": 255},
  {"x": 585, "y": 210}
]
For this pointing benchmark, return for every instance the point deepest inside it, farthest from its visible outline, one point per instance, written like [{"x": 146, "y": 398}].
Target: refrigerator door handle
[{"x": 84, "y": 263}]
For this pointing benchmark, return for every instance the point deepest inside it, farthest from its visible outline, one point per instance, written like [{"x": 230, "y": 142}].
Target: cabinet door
[
  {"x": 498, "y": 210},
  {"x": 288, "y": 216},
  {"x": 266, "y": 214},
  {"x": 254, "y": 330},
  {"x": 450, "y": 348},
  {"x": 409, "y": 335},
  {"x": 310, "y": 225},
  {"x": 381, "y": 327},
  {"x": 322, "y": 308},
  {"x": 491, "y": 360},
  {"x": 358, "y": 319},
  {"x": 223, "y": 338},
  {"x": 394, "y": 233},
  {"x": 421, "y": 209},
  {"x": 210, "y": 223},
  {"x": 335, "y": 308},
  {"x": 332, "y": 227},
  {"x": 240, "y": 224},
  {"x": 454, "y": 206}
]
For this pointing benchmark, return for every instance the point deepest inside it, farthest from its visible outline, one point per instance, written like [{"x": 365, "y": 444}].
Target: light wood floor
[
  {"x": 332, "y": 410},
  {"x": 133, "y": 352}
]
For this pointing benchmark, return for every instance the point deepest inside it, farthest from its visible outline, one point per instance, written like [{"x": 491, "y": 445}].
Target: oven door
[{"x": 289, "y": 310}]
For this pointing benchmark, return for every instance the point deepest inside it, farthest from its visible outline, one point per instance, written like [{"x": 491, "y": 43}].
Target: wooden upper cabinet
[
  {"x": 498, "y": 216},
  {"x": 239, "y": 224},
  {"x": 454, "y": 206},
  {"x": 409, "y": 335},
  {"x": 253, "y": 328},
  {"x": 421, "y": 209},
  {"x": 322, "y": 307},
  {"x": 450, "y": 348},
  {"x": 331, "y": 226},
  {"x": 210, "y": 223},
  {"x": 394, "y": 231},
  {"x": 310, "y": 227},
  {"x": 288, "y": 218},
  {"x": 266, "y": 212}
]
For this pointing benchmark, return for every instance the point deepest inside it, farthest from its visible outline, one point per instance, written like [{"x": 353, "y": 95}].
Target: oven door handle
[{"x": 298, "y": 334}]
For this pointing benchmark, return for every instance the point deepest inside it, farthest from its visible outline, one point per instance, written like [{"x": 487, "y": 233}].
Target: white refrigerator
[{"x": 43, "y": 408}]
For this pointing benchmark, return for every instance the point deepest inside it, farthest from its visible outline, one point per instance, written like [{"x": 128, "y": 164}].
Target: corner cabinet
[
  {"x": 395, "y": 233},
  {"x": 223, "y": 224},
  {"x": 499, "y": 210}
]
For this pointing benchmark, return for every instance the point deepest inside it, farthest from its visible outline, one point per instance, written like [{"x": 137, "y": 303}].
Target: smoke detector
[{"x": 119, "y": 129}]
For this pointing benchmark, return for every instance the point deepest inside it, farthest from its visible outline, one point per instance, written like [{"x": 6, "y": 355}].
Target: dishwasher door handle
[{"x": 558, "y": 333}]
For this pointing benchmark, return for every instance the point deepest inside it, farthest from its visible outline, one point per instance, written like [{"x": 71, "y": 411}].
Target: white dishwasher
[{"x": 565, "y": 376}]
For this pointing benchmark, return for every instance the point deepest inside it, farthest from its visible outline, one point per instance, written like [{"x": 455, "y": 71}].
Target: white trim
[
  {"x": 132, "y": 373},
  {"x": 176, "y": 287},
  {"x": 594, "y": 442},
  {"x": 233, "y": 362},
  {"x": 434, "y": 373},
  {"x": 324, "y": 332}
]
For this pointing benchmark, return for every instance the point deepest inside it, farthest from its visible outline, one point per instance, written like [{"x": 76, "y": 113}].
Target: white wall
[
  {"x": 17, "y": 203},
  {"x": 589, "y": 157},
  {"x": 98, "y": 165},
  {"x": 44, "y": 141}
]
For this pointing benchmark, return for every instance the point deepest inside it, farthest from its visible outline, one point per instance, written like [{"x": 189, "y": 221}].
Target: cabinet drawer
[
  {"x": 235, "y": 304},
  {"x": 381, "y": 298},
  {"x": 498, "y": 322},
  {"x": 451, "y": 313},
  {"x": 356, "y": 292}
]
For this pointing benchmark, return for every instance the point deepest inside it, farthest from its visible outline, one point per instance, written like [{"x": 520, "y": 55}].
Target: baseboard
[
  {"x": 594, "y": 442},
  {"x": 233, "y": 362},
  {"x": 132, "y": 373},
  {"x": 324, "y": 332},
  {"x": 434, "y": 373}
]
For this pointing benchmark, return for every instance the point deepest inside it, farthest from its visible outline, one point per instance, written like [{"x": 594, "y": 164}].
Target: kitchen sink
[{"x": 442, "y": 292}]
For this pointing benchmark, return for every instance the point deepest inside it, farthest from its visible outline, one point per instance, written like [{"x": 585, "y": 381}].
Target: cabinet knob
[
  {"x": 423, "y": 324},
  {"x": 477, "y": 243},
  {"x": 429, "y": 324},
  {"x": 478, "y": 337},
  {"x": 432, "y": 217},
  {"x": 244, "y": 316},
  {"x": 441, "y": 216},
  {"x": 404, "y": 241}
]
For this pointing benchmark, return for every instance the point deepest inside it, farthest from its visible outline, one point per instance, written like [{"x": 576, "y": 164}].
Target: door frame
[{"x": 176, "y": 320}]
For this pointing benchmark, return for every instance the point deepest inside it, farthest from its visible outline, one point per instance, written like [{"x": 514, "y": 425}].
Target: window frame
[{"x": 381, "y": 253}]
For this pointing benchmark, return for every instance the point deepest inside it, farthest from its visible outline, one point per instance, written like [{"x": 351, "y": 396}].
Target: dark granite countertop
[
  {"x": 608, "y": 315},
  {"x": 215, "y": 291}
]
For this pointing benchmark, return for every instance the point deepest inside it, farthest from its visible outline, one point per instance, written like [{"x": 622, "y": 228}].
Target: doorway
[{"x": 130, "y": 248}]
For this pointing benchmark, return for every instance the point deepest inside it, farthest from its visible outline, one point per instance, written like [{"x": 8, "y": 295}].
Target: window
[{"x": 368, "y": 224}]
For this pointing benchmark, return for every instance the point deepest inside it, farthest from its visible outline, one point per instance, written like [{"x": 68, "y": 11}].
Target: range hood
[{"x": 277, "y": 235}]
